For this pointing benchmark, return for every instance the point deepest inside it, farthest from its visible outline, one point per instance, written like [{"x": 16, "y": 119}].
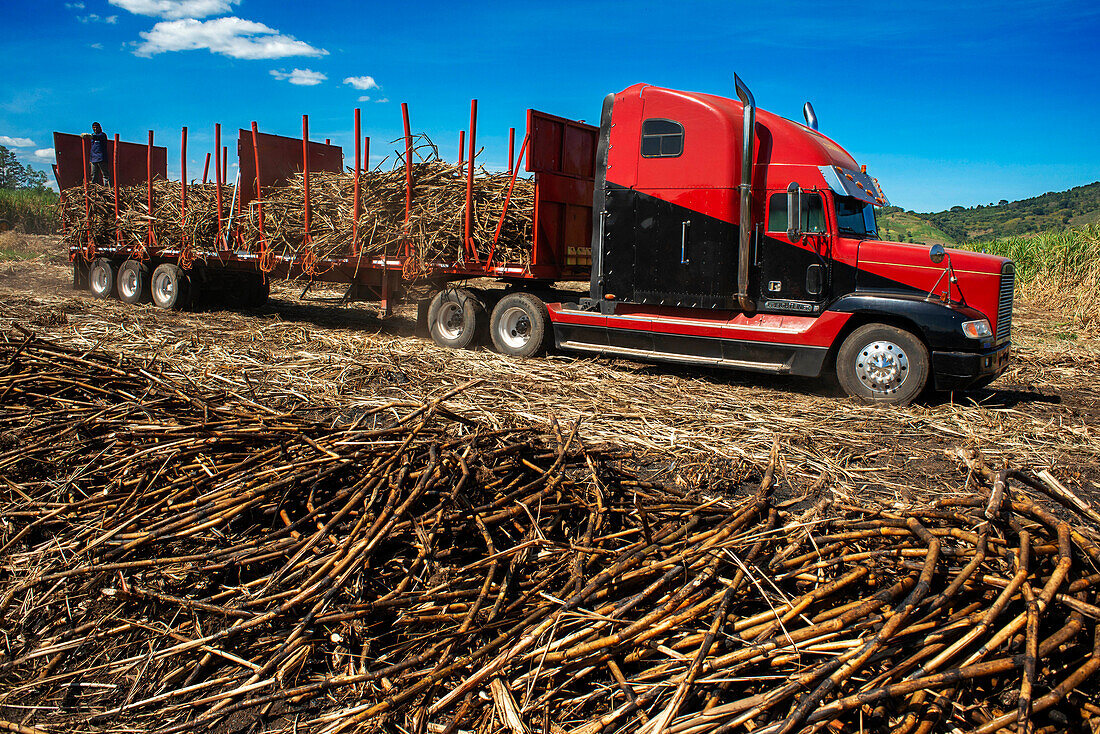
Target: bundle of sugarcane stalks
[
  {"x": 97, "y": 225},
  {"x": 434, "y": 231},
  {"x": 176, "y": 558},
  {"x": 436, "y": 226}
]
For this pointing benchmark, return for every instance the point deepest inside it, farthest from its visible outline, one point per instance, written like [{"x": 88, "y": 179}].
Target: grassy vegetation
[
  {"x": 897, "y": 225},
  {"x": 1059, "y": 271},
  {"x": 33, "y": 211},
  {"x": 1056, "y": 210}
]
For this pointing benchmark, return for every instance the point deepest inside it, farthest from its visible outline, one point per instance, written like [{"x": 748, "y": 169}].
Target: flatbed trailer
[
  {"x": 711, "y": 233},
  {"x": 559, "y": 153}
]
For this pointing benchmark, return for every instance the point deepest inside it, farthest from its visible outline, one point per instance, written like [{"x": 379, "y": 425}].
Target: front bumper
[{"x": 954, "y": 371}]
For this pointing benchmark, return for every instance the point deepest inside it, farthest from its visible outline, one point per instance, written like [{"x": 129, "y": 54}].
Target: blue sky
[{"x": 946, "y": 102}]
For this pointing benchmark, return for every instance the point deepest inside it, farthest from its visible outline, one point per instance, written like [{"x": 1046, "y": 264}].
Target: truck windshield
[{"x": 856, "y": 218}]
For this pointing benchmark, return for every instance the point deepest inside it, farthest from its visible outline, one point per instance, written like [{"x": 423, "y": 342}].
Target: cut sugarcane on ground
[
  {"x": 299, "y": 374},
  {"x": 435, "y": 228},
  {"x": 178, "y": 558}
]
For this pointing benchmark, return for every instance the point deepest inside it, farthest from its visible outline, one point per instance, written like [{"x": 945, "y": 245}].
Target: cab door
[{"x": 794, "y": 275}]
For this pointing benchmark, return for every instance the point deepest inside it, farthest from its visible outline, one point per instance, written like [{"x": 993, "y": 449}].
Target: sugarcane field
[{"x": 641, "y": 410}]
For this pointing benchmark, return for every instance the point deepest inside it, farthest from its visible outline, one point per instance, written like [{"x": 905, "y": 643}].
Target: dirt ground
[{"x": 691, "y": 426}]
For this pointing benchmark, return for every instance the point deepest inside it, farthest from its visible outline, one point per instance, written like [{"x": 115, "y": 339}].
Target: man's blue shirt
[{"x": 98, "y": 150}]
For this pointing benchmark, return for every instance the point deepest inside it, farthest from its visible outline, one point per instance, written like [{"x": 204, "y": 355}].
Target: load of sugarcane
[
  {"x": 183, "y": 559},
  {"x": 433, "y": 231},
  {"x": 90, "y": 223}
]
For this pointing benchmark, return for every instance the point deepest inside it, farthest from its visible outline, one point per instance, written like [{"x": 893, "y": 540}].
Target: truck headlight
[{"x": 977, "y": 329}]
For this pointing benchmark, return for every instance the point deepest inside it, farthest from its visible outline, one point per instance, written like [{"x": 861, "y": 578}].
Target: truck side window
[
  {"x": 813, "y": 213},
  {"x": 662, "y": 138}
]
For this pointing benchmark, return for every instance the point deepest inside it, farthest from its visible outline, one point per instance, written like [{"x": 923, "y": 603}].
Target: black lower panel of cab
[{"x": 784, "y": 359}]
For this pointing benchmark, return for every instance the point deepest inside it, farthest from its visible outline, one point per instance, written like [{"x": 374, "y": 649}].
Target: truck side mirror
[
  {"x": 936, "y": 254},
  {"x": 794, "y": 212}
]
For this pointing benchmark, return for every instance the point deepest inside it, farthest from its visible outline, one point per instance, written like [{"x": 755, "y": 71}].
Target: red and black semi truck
[{"x": 710, "y": 233}]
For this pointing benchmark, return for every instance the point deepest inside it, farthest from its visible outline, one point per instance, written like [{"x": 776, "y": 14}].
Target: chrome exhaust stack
[
  {"x": 811, "y": 117},
  {"x": 748, "y": 137}
]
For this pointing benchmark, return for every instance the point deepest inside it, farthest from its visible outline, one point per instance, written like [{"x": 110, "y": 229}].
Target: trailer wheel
[
  {"x": 878, "y": 363},
  {"x": 519, "y": 325},
  {"x": 169, "y": 286},
  {"x": 456, "y": 319},
  {"x": 133, "y": 282},
  {"x": 101, "y": 278}
]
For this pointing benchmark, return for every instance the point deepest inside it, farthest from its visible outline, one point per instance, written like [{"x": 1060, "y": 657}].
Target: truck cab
[{"x": 728, "y": 236}]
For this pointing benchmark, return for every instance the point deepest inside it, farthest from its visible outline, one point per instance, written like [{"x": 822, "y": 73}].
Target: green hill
[{"x": 1055, "y": 210}]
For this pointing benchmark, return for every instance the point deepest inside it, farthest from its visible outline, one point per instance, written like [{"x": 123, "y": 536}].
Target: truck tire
[
  {"x": 879, "y": 363},
  {"x": 520, "y": 325},
  {"x": 101, "y": 278},
  {"x": 169, "y": 286},
  {"x": 133, "y": 282},
  {"x": 456, "y": 319}
]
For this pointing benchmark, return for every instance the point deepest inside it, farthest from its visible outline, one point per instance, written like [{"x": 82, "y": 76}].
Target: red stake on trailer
[
  {"x": 264, "y": 264},
  {"x": 461, "y": 147},
  {"x": 512, "y": 148},
  {"x": 355, "y": 196},
  {"x": 469, "y": 242},
  {"x": 305, "y": 175},
  {"x": 408, "y": 165},
  {"x": 366, "y": 153},
  {"x": 114, "y": 180},
  {"x": 219, "y": 173},
  {"x": 507, "y": 198},
  {"x": 87, "y": 204},
  {"x": 183, "y": 186},
  {"x": 206, "y": 168},
  {"x": 150, "y": 236}
]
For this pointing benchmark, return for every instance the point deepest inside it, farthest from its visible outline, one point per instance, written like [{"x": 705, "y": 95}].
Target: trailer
[{"x": 710, "y": 233}]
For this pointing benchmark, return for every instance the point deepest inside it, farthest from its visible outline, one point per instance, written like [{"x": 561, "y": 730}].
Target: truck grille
[{"x": 1004, "y": 303}]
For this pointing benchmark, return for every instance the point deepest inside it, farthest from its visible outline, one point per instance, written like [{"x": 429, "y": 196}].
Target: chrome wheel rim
[
  {"x": 450, "y": 322},
  {"x": 129, "y": 283},
  {"x": 882, "y": 366},
  {"x": 514, "y": 328},
  {"x": 99, "y": 279},
  {"x": 163, "y": 287}
]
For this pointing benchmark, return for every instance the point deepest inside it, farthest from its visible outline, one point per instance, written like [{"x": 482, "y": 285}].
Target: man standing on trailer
[{"x": 97, "y": 155}]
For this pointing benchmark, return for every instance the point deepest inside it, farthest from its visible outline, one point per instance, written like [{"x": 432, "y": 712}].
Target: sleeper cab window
[
  {"x": 662, "y": 138},
  {"x": 813, "y": 213}
]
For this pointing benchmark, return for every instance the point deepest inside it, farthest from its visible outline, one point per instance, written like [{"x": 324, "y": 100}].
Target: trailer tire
[
  {"x": 101, "y": 278},
  {"x": 456, "y": 319},
  {"x": 520, "y": 325},
  {"x": 878, "y": 363},
  {"x": 169, "y": 286},
  {"x": 133, "y": 282}
]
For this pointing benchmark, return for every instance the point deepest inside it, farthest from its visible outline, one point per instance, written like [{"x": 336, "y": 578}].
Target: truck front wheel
[
  {"x": 519, "y": 325},
  {"x": 456, "y": 319},
  {"x": 878, "y": 363}
]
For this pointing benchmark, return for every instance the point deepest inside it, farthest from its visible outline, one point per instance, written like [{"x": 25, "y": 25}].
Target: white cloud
[
  {"x": 301, "y": 77},
  {"x": 365, "y": 98},
  {"x": 362, "y": 82},
  {"x": 176, "y": 9},
  {"x": 16, "y": 142},
  {"x": 384, "y": 99},
  {"x": 45, "y": 154},
  {"x": 234, "y": 37},
  {"x": 96, "y": 46},
  {"x": 74, "y": 6},
  {"x": 112, "y": 19}
]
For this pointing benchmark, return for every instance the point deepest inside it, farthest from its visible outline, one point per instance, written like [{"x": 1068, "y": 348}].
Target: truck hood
[{"x": 907, "y": 267}]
